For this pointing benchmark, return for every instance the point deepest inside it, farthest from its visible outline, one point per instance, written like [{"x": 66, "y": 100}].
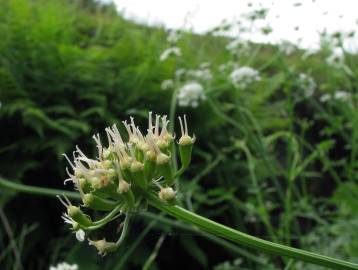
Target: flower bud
[
  {"x": 103, "y": 246},
  {"x": 149, "y": 165},
  {"x": 80, "y": 235},
  {"x": 97, "y": 203},
  {"x": 127, "y": 194},
  {"x": 137, "y": 174},
  {"x": 123, "y": 186},
  {"x": 125, "y": 163},
  {"x": 165, "y": 168},
  {"x": 185, "y": 144},
  {"x": 106, "y": 164},
  {"x": 162, "y": 144},
  {"x": 186, "y": 140},
  {"x": 107, "y": 153},
  {"x": 185, "y": 151},
  {"x": 84, "y": 184},
  {"x": 167, "y": 194},
  {"x": 77, "y": 215},
  {"x": 100, "y": 182},
  {"x": 111, "y": 174},
  {"x": 78, "y": 173}
]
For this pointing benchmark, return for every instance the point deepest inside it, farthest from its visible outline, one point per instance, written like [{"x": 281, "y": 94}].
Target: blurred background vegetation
[{"x": 270, "y": 160}]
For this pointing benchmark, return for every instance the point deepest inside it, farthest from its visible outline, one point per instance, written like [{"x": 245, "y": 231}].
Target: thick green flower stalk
[{"x": 119, "y": 180}]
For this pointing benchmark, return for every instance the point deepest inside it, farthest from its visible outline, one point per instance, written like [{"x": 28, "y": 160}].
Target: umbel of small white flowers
[
  {"x": 64, "y": 266},
  {"x": 117, "y": 181}
]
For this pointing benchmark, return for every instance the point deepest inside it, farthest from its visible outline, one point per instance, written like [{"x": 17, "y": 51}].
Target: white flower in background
[
  {"x": 204, "y": 74},
  {"x": 167, "y": 84},
  {"x": 204, "y": 65},
  {"x": 190, "y": 94},
  {"x": 287, "y": 47},
  {"x": 180, "y": 72},
  {"x": 338, "y": 95},
  {"x": 308, "y": 53},
  {"x": 336, "y": 59},
  {"x": 236, "y": 44},
  {"x": 342, "y": 95},
  {"x": 170, "y": 51},
  {"x": 307, "y": 84},
  {"x": 200, "y": 74},
  {"x": 243, "y": 76},
  {"x": 64, "y": 266},
  {"x": 324, "y": 98},
  {"x": 228, "y": 66},
  {"x": 173, "y": 36}
]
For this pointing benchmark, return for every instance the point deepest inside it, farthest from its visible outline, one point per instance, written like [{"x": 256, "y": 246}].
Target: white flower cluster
[
  {"x": 237, "y": 44},
  {"x": 244, "y": 76},
  {"x": 190, "y": 94},
  {"x": 338, "y": 95},
  {"x": 287, "y": 47},
  {"x": 167, "y": 84},
  {"x": 170, "y": 51},
  {"x": 228, "y": 66},
  {"x": 336, "y": 59},
  {"x": 173, "y": 36},
  {"x": 64, "y": 266},
  {"x": 202, "y": 73},
  {"x": 307, "y": 84}
]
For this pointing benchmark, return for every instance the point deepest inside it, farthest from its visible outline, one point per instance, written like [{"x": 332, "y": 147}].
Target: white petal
[{"x": 80, "y": 235}]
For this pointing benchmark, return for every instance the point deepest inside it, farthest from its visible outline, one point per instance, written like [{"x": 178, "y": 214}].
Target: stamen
[
  {"x": 165, "y": 123},
  {"x": 127, "y": 128},
  {"x": 69, "y": 161},
  {"x": 156, "y": 131},
  {"x": 181, "y": 126},
  {"x": 81, "y": 154},
  {"x": 150, "y": 123},
  {"x": 133, "y": 125},
  {"x": 65, "y": 202},
  {"x": 186, "y": 125}
]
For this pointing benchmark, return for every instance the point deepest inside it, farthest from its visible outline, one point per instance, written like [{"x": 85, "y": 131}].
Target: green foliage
[{"x": 268, "y": 160}]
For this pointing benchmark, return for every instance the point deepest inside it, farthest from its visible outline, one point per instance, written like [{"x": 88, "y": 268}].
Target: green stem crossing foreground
[
  {"x": 209, "y": 226},
  {"x": 248, "y": 240}
]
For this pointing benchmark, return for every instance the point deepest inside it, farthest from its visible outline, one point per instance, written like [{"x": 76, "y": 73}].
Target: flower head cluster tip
[{"x": 125, "y": 171}]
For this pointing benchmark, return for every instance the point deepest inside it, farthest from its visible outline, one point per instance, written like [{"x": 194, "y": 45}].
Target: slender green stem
[
  {"x": 248, "y": 240},
  {"x": 193, "y": 229},
  {"x": 172, "y": 111},
  {"x": 124, "y": 230},
  {"x": 106, "y": 219},
  {"x": 37, "y": 190}
]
